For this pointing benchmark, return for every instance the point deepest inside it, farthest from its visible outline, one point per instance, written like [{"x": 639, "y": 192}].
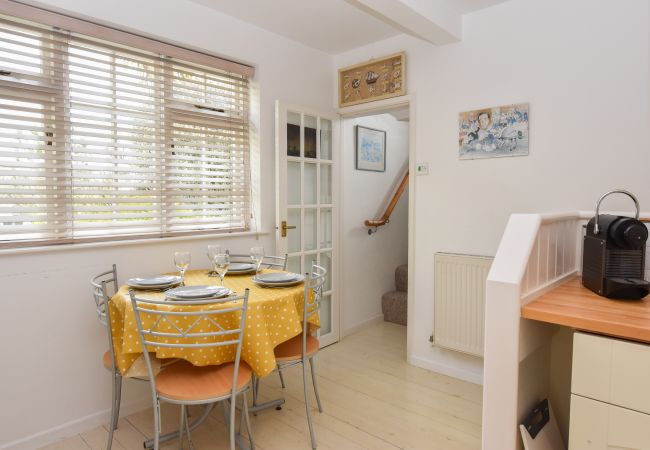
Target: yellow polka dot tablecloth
[{"x": 274, "y": 315}]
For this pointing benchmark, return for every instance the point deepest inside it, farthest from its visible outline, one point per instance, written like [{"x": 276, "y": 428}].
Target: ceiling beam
[{"x": 429, "y": 20}]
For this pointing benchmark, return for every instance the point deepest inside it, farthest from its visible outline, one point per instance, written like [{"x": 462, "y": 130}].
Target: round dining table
[{"x": 274, "y": 316}]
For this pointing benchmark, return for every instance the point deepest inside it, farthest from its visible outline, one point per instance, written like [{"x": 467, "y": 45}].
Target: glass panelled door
[{"x": 306, "y": 201}]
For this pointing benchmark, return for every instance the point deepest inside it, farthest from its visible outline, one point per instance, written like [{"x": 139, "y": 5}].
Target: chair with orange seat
[
  {"x": 197, "y": 324},
  {"x": 104, "y": 286},
  {"x": 268, "y": 262},
  {"x": 304, "y": 347}
]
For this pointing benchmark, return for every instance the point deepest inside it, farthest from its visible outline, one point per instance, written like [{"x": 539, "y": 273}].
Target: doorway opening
[{"x": 375, "y": 215}]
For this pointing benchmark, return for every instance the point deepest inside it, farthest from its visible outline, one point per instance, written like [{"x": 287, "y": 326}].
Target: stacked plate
[
  {"x": 157, "y": 282},
  {"x": 278, "y": 279},
  {"x": 190, "y": 293},
  {"x": 241, "y": 268}
]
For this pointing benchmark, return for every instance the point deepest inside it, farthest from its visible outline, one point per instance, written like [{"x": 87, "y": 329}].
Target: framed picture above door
[{"x": 372, "y": 80}]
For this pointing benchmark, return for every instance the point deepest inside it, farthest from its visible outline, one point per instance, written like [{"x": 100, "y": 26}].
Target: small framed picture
[{"x": 370, "y": 149}]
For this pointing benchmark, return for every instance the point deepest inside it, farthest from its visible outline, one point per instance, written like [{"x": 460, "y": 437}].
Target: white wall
[
  {"x": 51, "y": 340},
  {"x": 368, "y": 262},
  {"x": 583, "y": 67}
]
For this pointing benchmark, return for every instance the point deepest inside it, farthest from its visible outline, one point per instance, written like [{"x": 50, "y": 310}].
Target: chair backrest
[
  {"x": 269, "y": 262},
  {"x": 104, "y": 286},
  {"x": 190, "y": 324},
  {"x": 101, "y": 292},
  {"x": 314, "y": 282}
]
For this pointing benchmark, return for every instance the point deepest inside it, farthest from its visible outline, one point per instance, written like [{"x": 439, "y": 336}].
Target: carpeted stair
[{"x": 394, "y": 303}]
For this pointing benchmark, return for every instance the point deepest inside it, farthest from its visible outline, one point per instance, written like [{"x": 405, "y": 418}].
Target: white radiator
[{"x": 459, "y": 300}]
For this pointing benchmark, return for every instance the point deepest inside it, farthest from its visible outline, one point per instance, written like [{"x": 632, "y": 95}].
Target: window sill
[{"x": 125, "y": 243}]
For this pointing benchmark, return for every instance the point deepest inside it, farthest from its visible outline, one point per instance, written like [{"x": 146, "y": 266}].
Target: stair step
[
  {"x": 402, "y": 278},
  {"x": 394, "y": 306}
]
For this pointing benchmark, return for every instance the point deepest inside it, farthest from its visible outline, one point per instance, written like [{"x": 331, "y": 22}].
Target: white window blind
[{"x": 99, "y": 140}]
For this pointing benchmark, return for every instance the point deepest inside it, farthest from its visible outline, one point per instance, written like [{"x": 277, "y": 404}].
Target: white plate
[
  {"x": 171, "y": 298},
  {"x": 277, "y": 277},
  {"x": 154, "y": 282},
  {"x": 197, "y": 292},
  {"x": 241, "y": 267},
  {"x": 298, "y": 280},
  {"x": 161, "y": 287}
]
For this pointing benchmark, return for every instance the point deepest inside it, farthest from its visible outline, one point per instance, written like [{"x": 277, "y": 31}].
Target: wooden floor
[{"x": 372, "y": 399}]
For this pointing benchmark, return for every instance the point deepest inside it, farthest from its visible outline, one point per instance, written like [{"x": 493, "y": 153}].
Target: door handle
[{"x": 286, "y": 227}]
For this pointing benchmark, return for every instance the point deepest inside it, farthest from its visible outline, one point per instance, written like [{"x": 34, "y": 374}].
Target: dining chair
[
  {"x": 304, "y": 347},
  {"x": 269, "y": 262},
  {"x": 104, "y": 286},
  {"x": 199, "y": 325}
]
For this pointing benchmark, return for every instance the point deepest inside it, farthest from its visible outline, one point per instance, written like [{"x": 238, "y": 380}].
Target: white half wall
[
  {"x": 368, "y": 262},
  {"x": 51, "y": 340},
  {"x": 583, "y": 66}
]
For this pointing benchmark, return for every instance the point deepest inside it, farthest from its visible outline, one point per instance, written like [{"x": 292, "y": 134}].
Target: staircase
[{"x": 394, "y": 303}]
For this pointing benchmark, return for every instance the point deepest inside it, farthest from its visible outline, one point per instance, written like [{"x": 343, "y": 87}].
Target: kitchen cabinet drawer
[
  {"x": 611, "y": 370},
  {"x": 599, "y": 426}
]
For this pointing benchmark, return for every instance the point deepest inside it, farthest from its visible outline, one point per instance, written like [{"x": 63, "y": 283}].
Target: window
[{"x": 100, "y": 140}]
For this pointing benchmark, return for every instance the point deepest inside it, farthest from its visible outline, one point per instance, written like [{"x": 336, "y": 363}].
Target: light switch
[{"x": 422, "y": 168}]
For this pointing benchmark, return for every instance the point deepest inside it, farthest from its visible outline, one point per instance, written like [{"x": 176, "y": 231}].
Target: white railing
[
  {"x": 554, "y": 254},
  {"x": 536, "y": 253}
]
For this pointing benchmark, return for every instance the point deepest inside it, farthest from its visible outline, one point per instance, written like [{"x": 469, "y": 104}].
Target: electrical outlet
[{"x": 422, "y": 169}]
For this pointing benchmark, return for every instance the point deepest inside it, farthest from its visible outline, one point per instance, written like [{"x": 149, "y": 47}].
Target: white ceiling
[
  {"x": 467, "y": 6},
  {"x": 333, "y": 26}
]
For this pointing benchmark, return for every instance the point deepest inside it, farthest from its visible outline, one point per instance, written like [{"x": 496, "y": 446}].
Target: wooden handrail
[{"x": 391, "y": 206}]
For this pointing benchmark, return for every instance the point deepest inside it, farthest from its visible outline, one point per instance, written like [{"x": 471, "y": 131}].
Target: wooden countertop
[{"x": 573, "y": 305}]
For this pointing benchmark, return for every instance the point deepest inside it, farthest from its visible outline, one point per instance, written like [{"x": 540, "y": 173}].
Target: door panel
[
  {"x": 325, "y": 139},
  {"x": 326, "y": 183},
  {"x": 306, "y": 158},
  {"x": 293, "y": 183}
]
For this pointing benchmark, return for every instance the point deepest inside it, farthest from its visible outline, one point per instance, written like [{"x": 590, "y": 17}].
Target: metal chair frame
[
  {"x": 100, "y": 284},
  {"x": 232, "y": 337},
  {"x": 269, "y": 262},
  {"x": 313, "y": 295}
]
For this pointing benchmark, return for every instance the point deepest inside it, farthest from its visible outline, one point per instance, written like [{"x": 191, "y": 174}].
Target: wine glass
[
  {"x": 257, "y": 255},
  {"x": 221, "y": 263},
  {"x": 182, "y": 262},
  {"x": 213, "y": 251}
]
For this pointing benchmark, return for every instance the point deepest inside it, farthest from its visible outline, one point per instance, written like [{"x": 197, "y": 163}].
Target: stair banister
[{"x": 384, "y": 219}]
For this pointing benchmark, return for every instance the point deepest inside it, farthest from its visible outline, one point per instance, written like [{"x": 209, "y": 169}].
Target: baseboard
[
  {"x": 361, "y": 325},
  {"x": 455, "y": 372},
  {"x": 68, "y": 429}
]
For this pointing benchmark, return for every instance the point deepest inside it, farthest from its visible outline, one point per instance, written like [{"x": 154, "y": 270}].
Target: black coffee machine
[{"x": 613, "y": 254}]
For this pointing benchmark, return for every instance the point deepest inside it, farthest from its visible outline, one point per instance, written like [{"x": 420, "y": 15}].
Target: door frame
[
  {"x": 280, "y": 169},
  {"x": 375, "y": 107}
]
